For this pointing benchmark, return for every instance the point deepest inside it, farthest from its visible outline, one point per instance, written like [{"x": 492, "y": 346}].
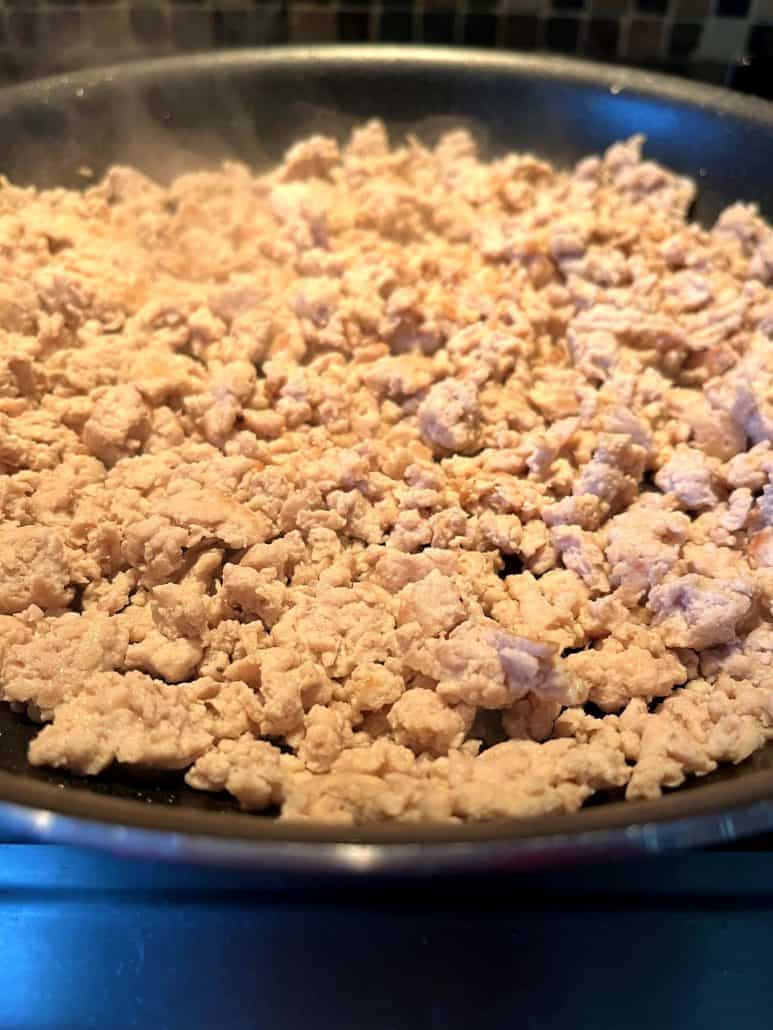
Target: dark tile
[
  {"x": 3, "y": 32},
  {"x": 359, "y": 3},
  {"x": 438, "y": 27},
  {"x": 228, "y": 27},
  {"x": 440, "y": 5},
  {"x": 713, "y": 72},
  {"x": 480, "y": 30},
  {"x": 264, "y": 26},
  {"x": 148, "y": 23},
  {"x": 106, "y": 29},
  {"x": 353, "y": 26},
  {"x": 25, "y": 4},
  {"x": 396, "y": 27},
  {"x": 243, "y": 27},
  {"x": 519, "y": 31},
  {"x": 684, "y": 38},
  {"x": 733, "y": 8},
  {"x": 63, "y": 26},
  {"x": 652, "y": 6},
  {"x": 481, "y": 5},
  {"x": 191, "y": 28},
  {"x": 509, "y": 7},
  {"x": 562, "y": 34},
  {"x": 691, "y": 10},
  {"x": 312, "y": 25},
  {"x": 609, "y": 8},
  {"x": 277, "y": 30},
  {"x": 645, "y": 41},
  {"x": 11, "y": 68},
  {"x": 24, "y": 27},
  {"x": 752, "y": 76},
  {"x": 602, "y": 38},
  {"x": 568, "y": 5},
  {"x": 761, "y": 41}
]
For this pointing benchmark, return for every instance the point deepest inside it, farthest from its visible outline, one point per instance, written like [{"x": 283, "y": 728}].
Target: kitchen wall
[{"x": 725, "y": 41}]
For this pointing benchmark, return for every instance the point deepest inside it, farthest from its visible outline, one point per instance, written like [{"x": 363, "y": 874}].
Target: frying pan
[{"x": 171, "y": 115}]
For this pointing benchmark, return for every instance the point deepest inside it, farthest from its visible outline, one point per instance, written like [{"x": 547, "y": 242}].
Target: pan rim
[
  {"x": 696, "y": 816},
  {"x": 639, "y": 825},
  {"x": 621, "y": 77}
]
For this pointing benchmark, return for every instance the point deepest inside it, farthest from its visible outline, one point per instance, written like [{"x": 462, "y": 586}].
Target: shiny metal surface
[
  {"x": 181, "y": 112},
  {"x": 315, "y": 858}
]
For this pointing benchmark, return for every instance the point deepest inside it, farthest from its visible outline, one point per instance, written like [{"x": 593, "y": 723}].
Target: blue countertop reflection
[{"x": 88, "y": 940}]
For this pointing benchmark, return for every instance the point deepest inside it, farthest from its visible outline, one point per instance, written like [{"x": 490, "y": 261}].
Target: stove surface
[{"x": 89, "y": 940}]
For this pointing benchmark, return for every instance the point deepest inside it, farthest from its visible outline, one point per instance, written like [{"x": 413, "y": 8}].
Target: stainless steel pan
[{"x": 174, "y": 114}]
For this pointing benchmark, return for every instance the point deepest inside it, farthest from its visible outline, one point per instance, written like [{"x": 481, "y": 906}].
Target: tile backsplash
[{"x": 725, "y": 41}]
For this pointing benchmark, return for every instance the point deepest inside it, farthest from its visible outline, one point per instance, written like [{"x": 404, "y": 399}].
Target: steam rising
[{"x": 179, "y": 120}]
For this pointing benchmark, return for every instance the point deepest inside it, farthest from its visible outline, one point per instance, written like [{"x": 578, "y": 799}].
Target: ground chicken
[
  {"x": 698, "y": 612},
  {"x": 449, "y": 416},
  {"x": 631, "y": 662},
  {"x": 390, "y": 484},
  {"x": 34, "y": 570},
  {"x": 420, "y": 720}
]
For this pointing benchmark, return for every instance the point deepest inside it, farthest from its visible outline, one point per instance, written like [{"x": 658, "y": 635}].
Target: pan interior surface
[{"x": 174, "y": 115}]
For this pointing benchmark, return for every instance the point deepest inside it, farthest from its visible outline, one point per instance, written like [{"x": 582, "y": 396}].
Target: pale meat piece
[
  {"x": 546, "y": 609},
  {"x": 34, "y": 569},
  {"x": 482, "y": 665},
  {"x": 693, "y": 731},
  {"x": 632, "y": 662},
  {"x": 349, "y": 798},
  {"x": 434, "y": 603},
  {"x": 61, "y": 658},
  {"x": 521, "y": 778},
  {"x": 141, "y": 721},
  {"x": 449, "y": 417},
  {"x": 643, "y": 545},
  {"x": 582, "y": 555},
  {"x": 118, "y": 425},
  {"x": 391, "y": 483},
  {"x": 421, "y": 721},
  {"x": 698, "y": 612},
  {"x": 689, "y": 476},
  {"x": 249, "y": 769}
]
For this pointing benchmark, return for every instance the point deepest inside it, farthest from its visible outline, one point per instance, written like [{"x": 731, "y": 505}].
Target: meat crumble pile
[{"x": 391, "y": 484}]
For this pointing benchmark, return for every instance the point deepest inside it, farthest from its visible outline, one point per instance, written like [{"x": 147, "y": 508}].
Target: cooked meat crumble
[{"x": 392, "y": 484}]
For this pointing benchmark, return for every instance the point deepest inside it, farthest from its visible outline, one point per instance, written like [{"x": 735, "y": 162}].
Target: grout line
[
  {"x": 624, "y": 36},
  {"x": 417, "y": 22},
  {"x": 583, "y": 31},
  {"x": 460, "y": 11}
]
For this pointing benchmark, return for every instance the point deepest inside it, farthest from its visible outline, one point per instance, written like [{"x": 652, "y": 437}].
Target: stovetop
[{"x": 91, "y": 940}]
